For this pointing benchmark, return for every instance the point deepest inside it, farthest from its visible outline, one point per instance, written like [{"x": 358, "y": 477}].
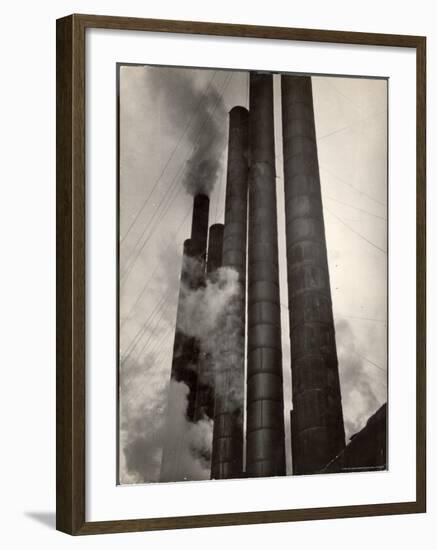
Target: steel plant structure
[{"x": 250, "y": 236}]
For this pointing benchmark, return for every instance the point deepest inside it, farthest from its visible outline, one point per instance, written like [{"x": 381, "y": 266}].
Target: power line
[
  {"x": 133, "y": 343},
  {"x": 152, "y": 334},
  {"x": 362, "y": 318},
  {"x": 356, "y": 232},
  {"x": 192, "y": 118},
  {"x": 140, "y": 295},
  {"x": 349, "y": 185},
  {"x": 324, "y": 168},
  {"x": 164, "y": 214},
  {"x": 159, "y": 357},
  {"x": 348, "y": 204},
  {"x": 371, "y": 362},
  {"x": 355, "y": 208},
  {"x": 355, "y": 122},
  {"x": 154, "y": 272},
  {"x": 157, "y": 345},
  {"x": 171, "y": 189},
  {"x": 139, "y": 334},
  {"x": 327, "y": 81},
  {"x": 158, "y": 361},
  {"x": 167, "y": 207},
  {"x": 171, "y": 197}
]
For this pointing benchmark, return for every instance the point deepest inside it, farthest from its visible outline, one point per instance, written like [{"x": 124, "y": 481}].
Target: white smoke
[
  {"x": 202, "y": 308},
  {"x": 152, "y": 419},
  {"x": 211, "y": 313},
  {"x": 194, "y": 440}
]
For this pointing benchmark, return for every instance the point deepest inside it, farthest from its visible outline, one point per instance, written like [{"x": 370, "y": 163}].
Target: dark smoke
[{"x": 199, "y": 115}]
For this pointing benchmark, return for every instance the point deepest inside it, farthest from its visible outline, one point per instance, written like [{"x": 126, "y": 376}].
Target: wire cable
[
  {"x": 163, "y": 309},
  {"x": 325, "y": 169},
  {"x": 355, "y": 208},
  {"x": 356, "y": 232},
  {"x": 140, "y": 295},
  {"x": 354, "y": 123},
  {"x": 133, "y": 343},
  {"x": 384, "y": 370}
]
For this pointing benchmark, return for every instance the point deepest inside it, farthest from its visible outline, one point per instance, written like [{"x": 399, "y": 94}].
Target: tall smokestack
[
  {"x": 227, "y": 454},
  {"x": 185, "y": 361},
  {"x": 265, "y": 403},
  {"x": 205, "y": 384},
  {"x": 318, "y": 430}
]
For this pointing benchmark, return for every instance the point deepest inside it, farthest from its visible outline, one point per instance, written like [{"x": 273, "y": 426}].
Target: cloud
[
  {"x": 191, "y": 442},
  {"x": 153, "y": 415},
  {"x": 359, "y": 398}
]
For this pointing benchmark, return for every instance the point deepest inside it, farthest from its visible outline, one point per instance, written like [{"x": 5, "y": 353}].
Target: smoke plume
[
  {"x": 197, "y": 114},
  {"x": 153, "y": 414},
  {"x": 211, "y": 314}
]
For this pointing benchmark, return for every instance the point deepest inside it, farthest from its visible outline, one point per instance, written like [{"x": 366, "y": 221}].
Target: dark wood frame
[{"x": 70, "y": 298}]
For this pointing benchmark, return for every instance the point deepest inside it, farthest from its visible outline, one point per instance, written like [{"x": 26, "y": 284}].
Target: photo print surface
[{"x": 252, "y": 266}]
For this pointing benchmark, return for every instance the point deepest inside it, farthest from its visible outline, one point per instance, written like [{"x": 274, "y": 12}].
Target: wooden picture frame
[{"x": 71, "y": 254}]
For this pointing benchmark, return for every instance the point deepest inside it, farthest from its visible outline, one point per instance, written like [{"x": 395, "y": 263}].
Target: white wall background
[{"x": 27, "y": 289}]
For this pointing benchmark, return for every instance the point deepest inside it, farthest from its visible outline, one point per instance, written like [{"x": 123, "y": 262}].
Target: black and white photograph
[{"x": 252, "y": 274}]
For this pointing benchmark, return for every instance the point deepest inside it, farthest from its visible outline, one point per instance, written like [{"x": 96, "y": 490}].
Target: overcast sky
[{"x": 165, "y": 115}]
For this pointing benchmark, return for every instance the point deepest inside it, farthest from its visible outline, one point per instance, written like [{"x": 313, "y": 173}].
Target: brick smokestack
[
  {"x": 227, "y": 454},
  {"x": 265, "y": 455},
  {"x": 317, "y": 426}
]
